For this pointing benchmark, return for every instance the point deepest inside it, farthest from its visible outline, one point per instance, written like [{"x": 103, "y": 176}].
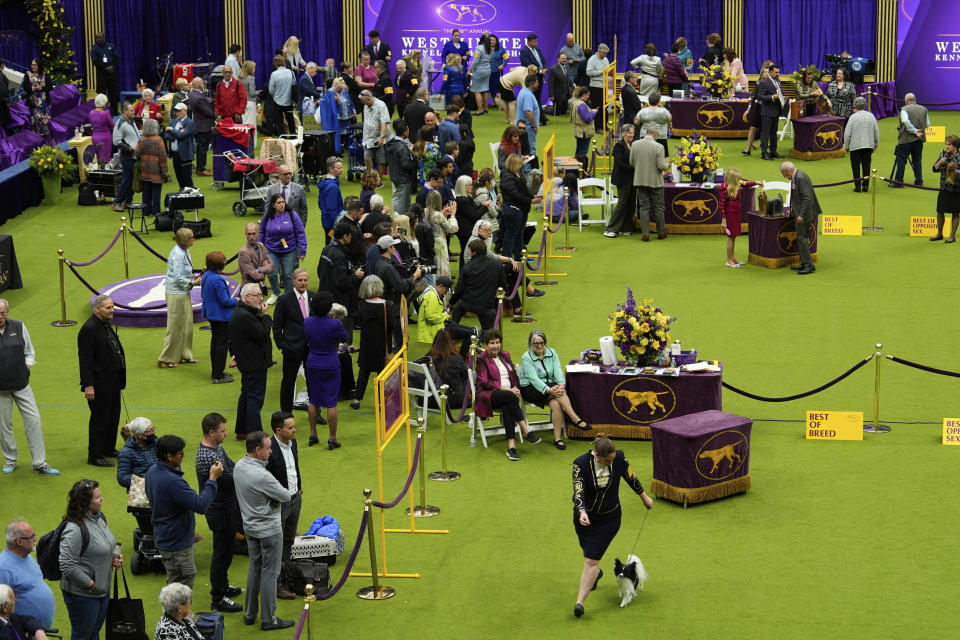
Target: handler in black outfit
[
  {"x": 103, "y": 375},
  {"x": 249, "y": 329},
  {"x": 596, "y": 507}
]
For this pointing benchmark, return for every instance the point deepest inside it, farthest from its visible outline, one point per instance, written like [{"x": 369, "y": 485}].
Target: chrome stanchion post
[
  {"x": 874, "y": 182},
  {"x": 876, "y": 427},
  {"x": 422, "y": 510},
  {"x": 126, "y": 254},
  {"x": 443, "y": 475},
  {"x": 522, "y": 291},
  {"x": 376, "y": 591},
  {"x": 62, "y": 322}
]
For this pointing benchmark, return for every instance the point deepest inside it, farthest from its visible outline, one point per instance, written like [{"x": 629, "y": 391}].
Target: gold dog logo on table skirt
[
  {"x": 643, "y": 400},
  {"x": 787, "y": 238},
  {"x": 715, "y": 115},
  {"x": 695, "y": 206},
  {"x": 828, "y": 137},
  {"x": 721, "y": 455}
]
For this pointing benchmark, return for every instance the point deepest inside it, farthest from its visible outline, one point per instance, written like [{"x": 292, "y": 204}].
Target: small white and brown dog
[{"x": 630, "y": 578}]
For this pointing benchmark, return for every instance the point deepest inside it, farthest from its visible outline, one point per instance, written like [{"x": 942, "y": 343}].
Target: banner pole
[
  {"x": 375, "y": 592},
  {"x": 443, "y": 475},
  {"x": 423, "y": 510},
  {"x": 126, "y": 254},
  {"x": 62, "y": 322},
  {"x": 876, "y": 427}
]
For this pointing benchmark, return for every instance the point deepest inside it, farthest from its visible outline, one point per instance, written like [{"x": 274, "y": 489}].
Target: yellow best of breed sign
[
  {"x": 923, "y": 226},
  {"x": 841, "y": 225},
  {"x": 936, "y": 134},
  {"x": 951, "y": 431},
  {"x": 834, "y": 425}
]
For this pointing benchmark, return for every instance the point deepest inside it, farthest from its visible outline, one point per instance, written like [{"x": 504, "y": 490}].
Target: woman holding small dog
[{"x": 596, "y": 507}]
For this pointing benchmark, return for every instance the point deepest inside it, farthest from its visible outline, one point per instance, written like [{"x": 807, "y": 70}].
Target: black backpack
[
  {"x": 48, "y": 550},
  {"x": 85, "y": 195}
]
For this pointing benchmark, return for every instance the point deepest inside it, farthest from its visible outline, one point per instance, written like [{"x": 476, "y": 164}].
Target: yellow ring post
[
  {"x": 501, "y": 295},
  {"x": 375, "y": 592},
  {"x": 874, "y": 181},
  {"x": 522, "y": 291},
  {"x": 126, "y": 254},
  {"x": 422, "y": 510},
  {"x": 62, "y": 322},
  {"x": 546, "y": 282},
  {"x": 876, "y": 427},
  {"x": 309, "y": 599},
  {"x": 443, "y": 475}
]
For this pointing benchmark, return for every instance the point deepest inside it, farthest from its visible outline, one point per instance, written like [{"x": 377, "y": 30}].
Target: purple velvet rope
[
  {"x": 413, "y": 471},
  {"x": 563, "y": 216},
  {"x": 923, "y": 367},
  {"x": 466, "y": 402},
  {"x": 543, "y": 248},
  {"x": 102, "y": 253},
  {"x": 907, "y": 184},
  {"x": 116, "y": 304},
  {"x": 300, "y": 622},
  {"x": 146, "y": 246},
  {"x": 496, "y": 323},
  {"x": 516, "y": 285},
  {"x": 929, "y": 104},
  {"x": 834, "y": 184},
  {"x": 364, "y": 523}
]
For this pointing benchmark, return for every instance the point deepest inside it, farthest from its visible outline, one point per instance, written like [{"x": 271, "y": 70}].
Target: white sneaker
[
  {"x": 609, "y": 234},
  {"x": 272, "y": 299}
]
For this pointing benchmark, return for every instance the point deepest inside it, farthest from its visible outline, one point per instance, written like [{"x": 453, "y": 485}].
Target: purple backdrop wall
[{"x": 929, "y": 60}]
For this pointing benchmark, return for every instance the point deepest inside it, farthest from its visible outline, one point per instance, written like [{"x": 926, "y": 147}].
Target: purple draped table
[
  {"x": 701, "y": 456},
  {"x": 624, "y": 406},
  {"x": 773, "y": 241},
  {"x": 19, "y": 116},
  {"x": 712, "y": 118},
  {"x": 689, "y": 208},
  {"x": 881, "y": 107},
  {"x": 818, "y": 137}
]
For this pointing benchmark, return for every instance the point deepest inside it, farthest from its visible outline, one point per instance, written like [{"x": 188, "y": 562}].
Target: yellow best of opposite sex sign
[
  {"x": 834, "y": 425},
  {"x": 951, "y": 431}
]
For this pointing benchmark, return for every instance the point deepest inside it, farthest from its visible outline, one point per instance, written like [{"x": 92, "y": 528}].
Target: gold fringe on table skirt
[
  {"x": 817, "y": 155},
  {"x": 700, "y": 494},
  {"x": 776, "y": 263},
  {"x": 630, "y": 432},
  {"x": 710, "y": 133},
  {"x": 680, "y": 229}
]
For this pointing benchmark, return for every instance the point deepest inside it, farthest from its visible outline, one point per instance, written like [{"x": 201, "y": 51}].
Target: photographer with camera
[
  {"x": 432, "y": 315},
  {"x": 395, "y": 285},
  {"x": 476, "y": 290}
]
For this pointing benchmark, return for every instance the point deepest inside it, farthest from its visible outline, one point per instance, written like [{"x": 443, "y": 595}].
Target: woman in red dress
[{"x": 731, "y": 204}]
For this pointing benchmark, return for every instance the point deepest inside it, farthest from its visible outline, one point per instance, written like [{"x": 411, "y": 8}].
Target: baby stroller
[
  {"x": 146, "y": 556},
  {"x": 253, "y": 175},
  {"x": 355, "y": 165}
]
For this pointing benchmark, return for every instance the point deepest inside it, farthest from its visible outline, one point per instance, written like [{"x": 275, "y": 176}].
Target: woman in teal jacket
[{"x": 542, "y": 383}]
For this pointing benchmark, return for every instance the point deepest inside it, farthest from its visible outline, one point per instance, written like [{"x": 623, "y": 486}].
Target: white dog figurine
[{"x": 630, "y": 578}]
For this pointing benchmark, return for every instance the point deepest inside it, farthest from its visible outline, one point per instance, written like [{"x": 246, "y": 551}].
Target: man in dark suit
[
  {"x": 180, "y": 135},
  {"x": 284, "y": 465},
  {"x": 201, "y": 106},
  {"x": 293, "y": 194},
  {"x": 307, "y": 87},
  {"x": 531, "y": 55},
  {"x": 629, "y": 98},
  {"x": 805, "y": 207},
  {"x": 103, "y": 375},
  {"x": 771, "y": 102},
  {"x": 560, "y": 85},
  {"x": 288, "y": 333},
  {"x": 250, "y": 343},
  {"x": 416, "y": 111},
  {"x": 378, "y": 50},
  {"x": 383, "y": 87}
]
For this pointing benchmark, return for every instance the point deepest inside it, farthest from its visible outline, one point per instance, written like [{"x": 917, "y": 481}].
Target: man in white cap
[
  {"x": 180, "y": 134},
  {"x": 394, "y": 286}
]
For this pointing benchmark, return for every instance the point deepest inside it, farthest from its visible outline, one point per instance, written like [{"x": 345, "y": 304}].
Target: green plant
[
  {"x": 52, "y": 161},
  {"x": 55, "y": 56},
  {"x": 799, "y": 73}
]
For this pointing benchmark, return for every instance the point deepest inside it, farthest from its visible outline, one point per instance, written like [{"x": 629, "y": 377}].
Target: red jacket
[
  {"x": 230, "y": 101},
  {"x": 735, "y": 205},
  {"x": 488, "y": 381}
]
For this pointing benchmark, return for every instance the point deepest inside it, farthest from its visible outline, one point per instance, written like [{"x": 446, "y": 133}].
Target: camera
[
  {"x": 834, "y": 57},
  {"x": 410, "y": 265}
]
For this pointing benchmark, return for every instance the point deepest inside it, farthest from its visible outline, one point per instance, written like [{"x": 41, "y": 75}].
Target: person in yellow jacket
[{"x": 431, "y": 317}]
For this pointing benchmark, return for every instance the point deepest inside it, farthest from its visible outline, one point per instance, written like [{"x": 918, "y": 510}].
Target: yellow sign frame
[
  {"x": 833, "y": 425},
  {"x": 834, "y": 225}
]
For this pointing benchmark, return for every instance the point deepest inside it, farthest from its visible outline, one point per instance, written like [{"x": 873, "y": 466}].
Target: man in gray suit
[
  {"x": 292, "y": 193},
  {"x": 805, "y": 207},
  {"x": 649, "y": 163}
]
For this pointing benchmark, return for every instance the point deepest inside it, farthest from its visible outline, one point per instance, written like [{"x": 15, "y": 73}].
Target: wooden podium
[{"x": 81, "y": 144}]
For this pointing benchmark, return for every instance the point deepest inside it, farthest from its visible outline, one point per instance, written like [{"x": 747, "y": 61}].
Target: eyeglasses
[
  {"x": 33, "y": 537},
  {"x": 254, "y": 295},
  {"x": 538, "y": 344}
]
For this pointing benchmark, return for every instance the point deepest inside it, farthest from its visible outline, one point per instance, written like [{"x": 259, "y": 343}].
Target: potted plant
[
  {"x": 54, "y": 166},
  {"x": 641, "y": 332},
  {"x": 696, "y": 158}
]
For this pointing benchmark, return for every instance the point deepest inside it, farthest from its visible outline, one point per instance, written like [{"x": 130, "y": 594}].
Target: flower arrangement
[
  {"x": 696, "y": 156},
  {"x": 717, "y": 81},
  {"x": 53, "y": 162},
  {"x": 56, "y": 56},
  {"x": 641, "y": 332},
  {"x": 800, "y": 72}
]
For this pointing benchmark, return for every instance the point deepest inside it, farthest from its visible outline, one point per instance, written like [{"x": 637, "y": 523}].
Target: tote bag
[{"x": 125, "y": 620}]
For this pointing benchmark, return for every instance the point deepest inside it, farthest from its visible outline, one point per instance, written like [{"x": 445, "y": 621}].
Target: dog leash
[{"x": 646, "y": 513}]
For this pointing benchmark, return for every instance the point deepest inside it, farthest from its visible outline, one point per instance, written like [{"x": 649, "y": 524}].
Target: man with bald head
[
  {"x": 805, "y": 208},
  {"x": 252, "y": 258},
  {"x": 250, "y": 343},
  {"x": 914, "y": 119},
  {"x": 21, "y": 572},
  {"x": 574, "y": 53},
  {"x": 293, "y": 193},
  {"x": 204, "y": 117}
]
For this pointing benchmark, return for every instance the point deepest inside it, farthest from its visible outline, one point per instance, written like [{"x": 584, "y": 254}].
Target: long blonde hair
[
  {"x": 292, "y": 46},
  {"x": 453, "y": 60},
  {"x": 248, "y": 69},
  {"x": 732, "y": 179}
]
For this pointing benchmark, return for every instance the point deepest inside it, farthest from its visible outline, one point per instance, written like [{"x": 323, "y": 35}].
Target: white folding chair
[
  {"x": 785, "y": 124},
  {"x": 778, "y": 185},
  {"x": 612, "y": 200},
  {"x": 494, "y": 148},
  {"x": 599, "y": 201},
  {"x": 422, "y": 394},
  {"x": 490, "y": 427}
]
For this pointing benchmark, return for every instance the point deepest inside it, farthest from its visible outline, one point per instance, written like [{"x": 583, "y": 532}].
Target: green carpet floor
[{"x": 834, "y": 540}]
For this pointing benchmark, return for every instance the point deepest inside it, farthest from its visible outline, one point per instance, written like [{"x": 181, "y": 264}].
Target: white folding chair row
[{"x": 785, "y": 124}]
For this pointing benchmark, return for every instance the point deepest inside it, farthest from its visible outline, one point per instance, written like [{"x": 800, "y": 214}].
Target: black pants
[
  {"x": 104, "y": 416},
  {"x": 203, "y": 138},
  {"x": 219, "y": 345},
  {"x": 363, "y": 376},
  {"x": 108, "y": 85},
  {"x": 860, "y": 163},
  {"x": 253, "y": 388},
  {"x": 913, "y": 151},
  {"x": 291, "y": 366},
  {"x": 768, "y": 134},
  {"x": 509, "y": 405},
  {"x": 596, "y": 102},
  {"x": 289, "y": 522},
  {"x": 224, "y": 529},
  {"x": 288, "y": 114},
  {"x": 347, "y": 382},
  {"x": 486, "y": 316},
  {"x": 183, "y": 169}
]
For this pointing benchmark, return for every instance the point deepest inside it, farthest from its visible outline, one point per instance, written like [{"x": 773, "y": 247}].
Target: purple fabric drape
[
  {"x": 638, "y": 22},
  {"x": 799, "y": 32},
  {"x": 17, "y": 148},
  {"x": 63, "y": 126},
  {"x": 880, "y": 107},
  {"x": 271, "y": 22},
  {"x": 63, "y": 98}
]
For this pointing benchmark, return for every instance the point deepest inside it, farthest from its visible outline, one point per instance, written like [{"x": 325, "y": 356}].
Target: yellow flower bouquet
[
  {"x": 641, "y": 332},
  {"x": 50, "y": 161},
  {"x": 696, "y": 156}
]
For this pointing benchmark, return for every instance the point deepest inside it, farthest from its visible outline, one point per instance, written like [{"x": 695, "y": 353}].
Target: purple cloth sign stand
[
  {"x": 701, "y": 456},
  {"x": 692, "y": 209},
  {"x": 773, "y": 241},
  {"x": 818, "y": 137}
]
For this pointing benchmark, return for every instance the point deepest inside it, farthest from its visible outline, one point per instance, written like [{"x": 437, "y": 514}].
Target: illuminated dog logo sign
[
  {"x": 722, "y": 455},
  {"x": 715, "y": 116},
  {"x": 828, "y": 136},
  {"x": 694, "y": 206},
  {"x": 643, "y": 400},
  {"x": 467, "y": 13}
]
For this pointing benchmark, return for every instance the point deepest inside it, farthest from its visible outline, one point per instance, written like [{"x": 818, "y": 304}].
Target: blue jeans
[
  {"x": 151, "y": 197},
  {"x": 914, "y": 152},
  {"x": 86, "y": 615},
  {"x": 285, "y": 262},
  {"x": 125, "y": 190},
  {"x": 583, "y": 146}
]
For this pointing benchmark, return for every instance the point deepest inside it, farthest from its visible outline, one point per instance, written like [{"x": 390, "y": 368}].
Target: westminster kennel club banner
[
  {"x": 426, "y": 25},
  {"x": 928, "y": 41}
]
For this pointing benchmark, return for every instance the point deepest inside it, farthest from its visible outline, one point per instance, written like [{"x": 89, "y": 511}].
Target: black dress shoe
[
  {"x": 806, "y": 270},
  {"x": 578, "y": 610},
  {"x": 774, "y": 154},
  {"x": 278, "y": 623},
  {"x": 765, "y": 156},
  {"x": 226, "y": 605},
  {"x": 112, "y": 454},
  {"x": 248, "y": 621},
  {"x": 99, "y": 462},
  {"x": 233, "y": 592},
  {"x": 856, "y": 189},
  {"x": 797, "y": 267},
  {"x": 745, "y": 152}
]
